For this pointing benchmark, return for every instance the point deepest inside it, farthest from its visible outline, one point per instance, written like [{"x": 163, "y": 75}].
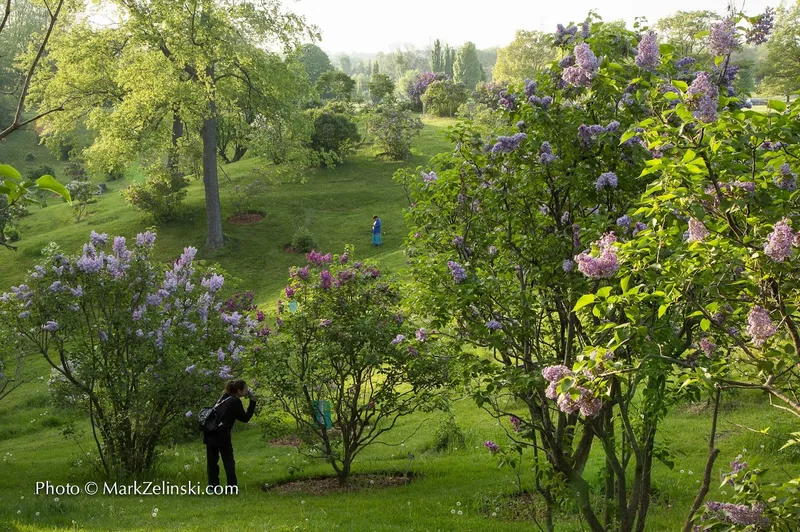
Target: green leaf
[
  {"x": 704, "y": 33},
  {"x": 705, "y": 324},
  {"x": 604, "y": 292},
  {"x": 586, "y": 299},
  {"x": 625, "y": 283},
  {"x": 662, "y": 310},
  {"x": 627, "y": 136},
  {"x": 671, "y": 96},
  {"x": 689, "y": 156},
  {"x": 48, "y": 182},
  {"x": 9, "y": 172},
  {"x": 777, "y": 105},
  {"x": 681, "y": 85}
]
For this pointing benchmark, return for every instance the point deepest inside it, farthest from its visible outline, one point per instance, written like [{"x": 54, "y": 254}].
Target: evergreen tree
[
  {"x": 467, "y": 69},
  {"x": 436, "y": 57}
]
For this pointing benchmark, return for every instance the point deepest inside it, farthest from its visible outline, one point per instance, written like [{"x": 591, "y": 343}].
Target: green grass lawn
[{"x": 456, "y": 489}]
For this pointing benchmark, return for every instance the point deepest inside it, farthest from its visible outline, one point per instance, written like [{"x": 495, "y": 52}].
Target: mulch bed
[
  {"x": 326, "y": 485},
  {"x": 246, "y": 218},
  {"x": 286, "y": 441}
]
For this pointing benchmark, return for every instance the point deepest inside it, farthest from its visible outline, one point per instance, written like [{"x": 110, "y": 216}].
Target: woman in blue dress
[{"x": 376, "y": 231}]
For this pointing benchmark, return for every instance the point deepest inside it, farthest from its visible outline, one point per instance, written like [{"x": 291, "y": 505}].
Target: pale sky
[{"x": 383, "y": 25}]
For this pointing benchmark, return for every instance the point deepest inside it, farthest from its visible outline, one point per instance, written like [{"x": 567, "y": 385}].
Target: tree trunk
[
  {"x": 177, "y": 133},
  {"x": 238, "y": 152},
  {"x": 214, "y": 239}
]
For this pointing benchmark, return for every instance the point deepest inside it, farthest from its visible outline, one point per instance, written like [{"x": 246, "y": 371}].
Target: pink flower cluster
[
  {"x": 697, "y": 231},
  {"x": 759, "y": 325},
  {"x": 605, "y": 264},
  {"x": 587, "y": 403},
  {"x": 779, "y": 242}
]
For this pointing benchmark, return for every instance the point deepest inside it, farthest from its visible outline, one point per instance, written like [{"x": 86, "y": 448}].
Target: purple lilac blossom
[
  {"x": 585, "y": 69},
  {"x": 648, "y": 56},
  {"x": 567, "y": 61},
  {"x": 494, "y": 325},
  {"x": 703, "y": 97},
  {"x": 708, "y": 346},
  {"x": 492, "y": 446},
  {"x": 786, "y": 179},
  {"x": 325, "y": 279},
  {"x": 739, "y": 514},
  {"x": 98, "y": 239},
  {"x": 50, "y": 326},
  {"x": 546, "y": 153},
  {"x": 624, "y": 221},
  {"x": 778, "y": 246},
  {"x": 515, "y": 422},
  {"x": 722, "y": 40},
  {"x": 398, "y": 339},
  {"x": 421, "y": 335},
  {"x": 146, "y": 239},
  {"x": 684, "y": 63},
  {"x": 606, "y": 180},
  {"x": 697, "y": 231},
  {"x": 762, "y": 28},
  {"x": 567, "y": 265},
  {"x": 759, "y": 325},
  {"x": 508, "y": 144},
  {"x": 603, "y": 266},
  {"x": 429, "y": 178},
  {"x": 458, "y": 272}
]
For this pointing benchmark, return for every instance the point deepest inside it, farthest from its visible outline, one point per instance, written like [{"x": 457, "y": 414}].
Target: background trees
[
  {"x": 527, "y": 54},
  {"x": 782, "y": 63},
  {"x": 467, "y": 69},
  {"x": 314, "y": 60}
]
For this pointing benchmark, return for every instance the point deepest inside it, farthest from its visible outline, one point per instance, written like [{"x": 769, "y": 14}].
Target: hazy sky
[{"x": 382, "y": 25}]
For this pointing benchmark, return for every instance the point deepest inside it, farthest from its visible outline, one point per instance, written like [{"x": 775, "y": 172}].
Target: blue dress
[{"x": 376, "y": 233}]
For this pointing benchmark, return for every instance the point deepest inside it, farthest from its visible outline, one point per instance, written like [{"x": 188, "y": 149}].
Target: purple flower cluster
[
  {"x": 587, "y": 403},
  {"x": 697, "y": 231},
  {"x": 587, "y": 134},
  {"x": 317, "y": 258},
  {"x": 515, "y": 422},
  {"x": 457, "y": 271},
  {"x": 546, "y": 155},
  {"x": 779, "y": 242},
  {"x": 606, "y": 180},
  {"x": 430, "y": 178},
  {"x": 722, "y": 40},
  {"x": 417, "y": 86},
  {"x": 325, "y": 279},
  {"x": 398, "y": 339},
  {"x": 494, "y": 325},
  {"x": 50, "y": 326},
  {"x": 738, "y": 464},
  {"x": 492, "y": 446},
  {"x": 567, "y": 61},
  {"x": 508, "y": 144},
  {"x": 567, "y": 265},
  {"x": 762, "y": 28},
  {"x": 648, "y": 56},
  {"x": 624, "y": 221},
  {"x": 508, "y": 101},
  {"x": 739, "y": 514},
  {"x": 759, "y": 325},
  {"x": 708, "y": 346},
  {"x": 786, "y": 179},
  {"x": 605, "y": 264},
  {"x": 565, "y": 36},
  {"x": 146, "y": 240},
  {"x": 585, "y": 68},
  {"x": 703, "y": 97},
  {"x": 421, "y": 334}
]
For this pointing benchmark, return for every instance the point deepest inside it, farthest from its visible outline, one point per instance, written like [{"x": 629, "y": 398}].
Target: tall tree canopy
[
  {"x": 314, "y": 60},
  {"x": 527, "y": 54},
  {"x": 160, "y": 82},
  {"x": 681, "y": 29},
  {"x": 467, "y": 69}
]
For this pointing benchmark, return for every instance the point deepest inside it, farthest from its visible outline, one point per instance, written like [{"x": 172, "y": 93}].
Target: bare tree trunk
[
  {"x": 214, "y": 238},
  {"x": 177, "y": 133}
]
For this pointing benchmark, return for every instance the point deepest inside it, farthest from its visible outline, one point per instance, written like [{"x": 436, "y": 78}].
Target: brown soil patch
[
  {"x": 286, "y": 441},
  {"x": 326, "y": 485},
  {"x": 517, "y": 507},
  {"x": 246, "y": 218}
]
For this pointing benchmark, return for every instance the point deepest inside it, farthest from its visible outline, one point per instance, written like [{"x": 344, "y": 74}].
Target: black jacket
[{"x": 229, "y": 411}]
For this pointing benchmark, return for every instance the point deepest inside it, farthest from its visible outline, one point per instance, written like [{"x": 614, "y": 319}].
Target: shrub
[
  {"x": 334, "y": 135},
  {"x": 35, "y": 172},
  {"x": 346, "y": 344},
  {"x": 82, "y": 193},
  {"x": 417, "y": 87},
  {"x": 394, "y": 130},
  {"x": 161, "y": 195},
  {"x": 442, "y": 98},
  {"x": 303, "y": 241},
  {"x": 30, "y": 157},
  {"x": 138, "y": 345}
]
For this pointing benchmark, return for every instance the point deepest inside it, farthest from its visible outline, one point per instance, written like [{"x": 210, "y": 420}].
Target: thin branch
[{"x": 712, "y": 456}]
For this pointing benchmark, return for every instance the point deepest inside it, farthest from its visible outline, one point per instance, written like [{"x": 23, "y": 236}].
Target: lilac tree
[
  {"x": 342, "y": 337},
  {"x": 134, "y": 343}
]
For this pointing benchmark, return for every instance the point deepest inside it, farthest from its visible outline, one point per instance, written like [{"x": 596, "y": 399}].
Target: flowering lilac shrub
[
  {"x": 342, "y": 337},
  {"x": 500, "y": 250},
  {"x": 134, "y": 343},
  {"x": 418, "y": 85}
]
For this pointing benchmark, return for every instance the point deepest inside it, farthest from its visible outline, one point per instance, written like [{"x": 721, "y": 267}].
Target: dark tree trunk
[
  {"x": 177, "y": 133},
  {"x": 214, "y": 239},
  {"x": 238, "y": 153}
]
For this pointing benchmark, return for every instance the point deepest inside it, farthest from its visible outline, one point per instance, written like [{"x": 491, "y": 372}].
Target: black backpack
[{"x": 209, "y": 419}]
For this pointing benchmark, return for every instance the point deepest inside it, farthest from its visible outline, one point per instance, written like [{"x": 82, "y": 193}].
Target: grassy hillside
[{"x": 459, "y": 488}]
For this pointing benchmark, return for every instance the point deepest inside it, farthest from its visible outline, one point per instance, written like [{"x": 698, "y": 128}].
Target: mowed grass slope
[{"x": 457, "y": 489}]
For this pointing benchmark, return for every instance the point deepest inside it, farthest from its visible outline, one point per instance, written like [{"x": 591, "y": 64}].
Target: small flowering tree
[
  {"x": 132, "y": 342},
  {"x": 345, "y": 340}
]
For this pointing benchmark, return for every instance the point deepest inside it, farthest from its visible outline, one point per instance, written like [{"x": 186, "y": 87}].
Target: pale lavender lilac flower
[
  {"x": 722, "y": 40},
  {"x": 697, "y": 231},
  {"x": 778, "y": 246},
  {"x": 703, "y": 97},
  {"x": 759, "y": 325},
  {"x": 603, "y": 266},
  {"x": 648, "y": 56}
]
